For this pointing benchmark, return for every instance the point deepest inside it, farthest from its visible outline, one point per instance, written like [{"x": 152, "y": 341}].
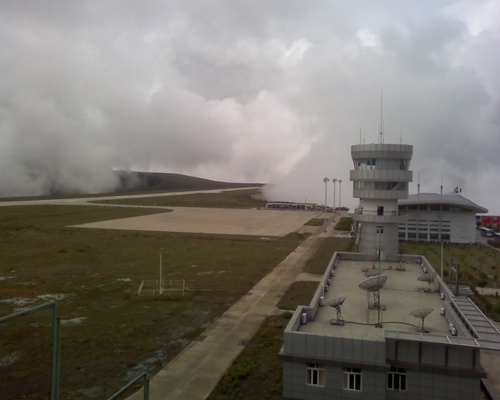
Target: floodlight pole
[
  {"x": 340, "y": 194},
  {"x": 441, "y": 259},
  {"x": 326, "y": 180},
  {"x": 334, "y": 180}
]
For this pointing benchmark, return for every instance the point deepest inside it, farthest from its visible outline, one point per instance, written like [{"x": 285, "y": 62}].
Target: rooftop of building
[
  {"x": 454, "y": 320},
  {"x": 445, "y": 199},
  {"x": 402, "y": 294}
]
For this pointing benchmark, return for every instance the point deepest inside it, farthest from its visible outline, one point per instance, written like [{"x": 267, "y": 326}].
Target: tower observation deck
[{"x": 380, "y": 178}]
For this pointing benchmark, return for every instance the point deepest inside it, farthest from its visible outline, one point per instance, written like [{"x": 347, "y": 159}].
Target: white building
[{"x": 431, "y": 217}]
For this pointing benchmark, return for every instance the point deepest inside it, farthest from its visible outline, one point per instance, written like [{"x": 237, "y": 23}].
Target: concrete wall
[
  {"x": 329, "y": 348},
  {"x": 462, "y": 225},
  {"x": 373, "y": 384},
  {"x": 371, "y": 241},
  {"x": 420, "y": 384}
]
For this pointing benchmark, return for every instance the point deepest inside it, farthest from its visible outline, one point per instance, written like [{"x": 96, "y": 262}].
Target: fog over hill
[{"x": 259, "y": 91}]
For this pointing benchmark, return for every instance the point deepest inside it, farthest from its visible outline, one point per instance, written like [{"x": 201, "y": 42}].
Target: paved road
[{"x": 194, "y": 373}]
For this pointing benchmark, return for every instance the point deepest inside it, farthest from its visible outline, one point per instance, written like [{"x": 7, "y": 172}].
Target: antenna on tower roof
[{"x": 381, "y": 135}]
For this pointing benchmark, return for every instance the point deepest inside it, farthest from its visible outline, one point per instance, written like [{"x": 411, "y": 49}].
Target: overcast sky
[{"x": 272, "y": 91}]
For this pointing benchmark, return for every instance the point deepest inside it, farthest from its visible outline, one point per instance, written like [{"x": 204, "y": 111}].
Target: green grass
[
  {"x": 477, "y": 263},
  {"x": 98, "y": 272},
  {"x": 315, "y": 222},
  {"x": 317, "y": 264},
  {"x": 244, "y": 198},
  {"x": 299, "y": 293},
  {"x": 344, "y": 224},
  {"x": 257, "y": 372}
]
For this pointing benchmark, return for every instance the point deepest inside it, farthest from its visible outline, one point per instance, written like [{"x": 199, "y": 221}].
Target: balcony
[
  {"x": 388, "y": 217},
  {"x": 375, "y": 175},
  {"x": 380, "y": 194}
]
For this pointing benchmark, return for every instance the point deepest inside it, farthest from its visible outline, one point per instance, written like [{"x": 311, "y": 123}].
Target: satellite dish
[
  {"x": 373, "y": 283},
  {"x": 427, "y": 277},
  {"x": 422, "y": 313},
  {"x": 337, "y": 304},
  {"x": 372, "y": 272}
]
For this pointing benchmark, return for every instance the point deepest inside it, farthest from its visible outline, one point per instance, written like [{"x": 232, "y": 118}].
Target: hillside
[{"x": 131, "y": 181}]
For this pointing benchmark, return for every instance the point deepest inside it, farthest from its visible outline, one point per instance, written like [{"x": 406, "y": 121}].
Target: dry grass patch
[{"x": 111, "y": 334}]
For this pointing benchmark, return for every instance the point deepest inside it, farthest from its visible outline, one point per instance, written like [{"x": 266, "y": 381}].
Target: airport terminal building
[{"x": 432, "y": 217}]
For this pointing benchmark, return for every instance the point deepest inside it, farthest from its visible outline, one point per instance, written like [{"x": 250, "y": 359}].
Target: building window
[
  {"x": 396, "y": 379},
  {"x": 380, "y": 210},
  {"x": 380, "y": 229},
  {"x": 315, "y": 375},
  {"x": 351, "y": 379}
]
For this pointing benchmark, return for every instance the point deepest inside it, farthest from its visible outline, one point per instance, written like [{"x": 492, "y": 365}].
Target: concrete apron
[{"x": 195, "y": 372}]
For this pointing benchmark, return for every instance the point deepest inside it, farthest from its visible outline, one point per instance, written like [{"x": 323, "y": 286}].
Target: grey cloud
[{"x": 214, "y": 89}]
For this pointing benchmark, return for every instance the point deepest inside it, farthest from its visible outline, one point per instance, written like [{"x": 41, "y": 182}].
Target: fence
[{"x": 164, "y": 287}]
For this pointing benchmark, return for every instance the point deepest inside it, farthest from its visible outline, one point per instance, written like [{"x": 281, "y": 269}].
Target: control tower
[{"x": 380, "y": 178}]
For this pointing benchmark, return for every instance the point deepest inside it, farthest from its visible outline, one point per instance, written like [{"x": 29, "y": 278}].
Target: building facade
[
  {"x": 386, "y": 352},
  {"x": 380, "y": 178},
  {"x": 432, "y": 217}
]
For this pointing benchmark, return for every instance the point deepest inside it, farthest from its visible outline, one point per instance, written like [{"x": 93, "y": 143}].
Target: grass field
[
  {"x": 242, "y": 198},
  {"x": 479, "y": 267},
  {"x": 318, "y": 263},
  {"x": 109, "y": 335}
]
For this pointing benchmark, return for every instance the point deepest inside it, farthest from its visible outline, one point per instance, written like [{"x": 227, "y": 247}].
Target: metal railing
[
  {"x": 361, "y": 211},
  {"x": 143, "y": 376},
  {"x": 56, "y": 365}
]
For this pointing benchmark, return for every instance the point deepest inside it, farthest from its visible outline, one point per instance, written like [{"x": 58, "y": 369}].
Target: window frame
[
  {"x": 315, "y": 375},
  {"x": 397, "y": 379},
  {"x": 352, "y": 379}
]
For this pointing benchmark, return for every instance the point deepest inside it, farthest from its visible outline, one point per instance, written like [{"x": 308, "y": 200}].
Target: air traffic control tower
[{"x": 380, "y": 178}]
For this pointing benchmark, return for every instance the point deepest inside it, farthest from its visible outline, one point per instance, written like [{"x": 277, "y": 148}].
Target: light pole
[
  {"x": 326, "y": 180},
  {"x": 334, "y": 180},
  {"x": 340, "y": 193}
]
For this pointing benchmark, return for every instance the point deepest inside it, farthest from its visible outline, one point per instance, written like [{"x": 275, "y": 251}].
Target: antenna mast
[{"x": 381, "y": 135}]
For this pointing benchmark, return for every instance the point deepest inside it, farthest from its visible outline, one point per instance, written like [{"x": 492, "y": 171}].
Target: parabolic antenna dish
[
  {"x": 373, "y": 283},
  {"x": 372, "y": 272},
  {"x": 427, "y": 277},
  {"x": 337, "y": 302},
  {"x": 421, "y": 312}
]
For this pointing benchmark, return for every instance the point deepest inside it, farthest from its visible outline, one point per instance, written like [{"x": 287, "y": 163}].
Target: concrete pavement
[
  {"x": 194, "y": 373},
  {"x": 222, "y": 221}
]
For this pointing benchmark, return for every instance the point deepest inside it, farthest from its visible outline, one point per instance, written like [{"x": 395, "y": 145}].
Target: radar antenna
[
  {"x": 381, "y": 137},
  {"x": 422, "y": 313},
  {"x": 337, "y": 304}
]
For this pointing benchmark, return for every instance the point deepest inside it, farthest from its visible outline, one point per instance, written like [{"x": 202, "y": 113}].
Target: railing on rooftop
[{"x": 362, "y": 211}]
